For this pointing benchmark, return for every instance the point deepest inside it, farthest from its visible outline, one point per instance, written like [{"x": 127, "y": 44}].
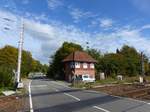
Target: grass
[
  {"x": 1, "y": 91},
  {"x": 109, "y": 80}
]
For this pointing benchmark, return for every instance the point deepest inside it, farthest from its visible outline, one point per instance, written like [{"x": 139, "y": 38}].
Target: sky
[{"x": 105, "y": 24}]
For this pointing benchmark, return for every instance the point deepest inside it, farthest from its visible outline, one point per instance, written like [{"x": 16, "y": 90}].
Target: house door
[{"x": 70, "y": 78}]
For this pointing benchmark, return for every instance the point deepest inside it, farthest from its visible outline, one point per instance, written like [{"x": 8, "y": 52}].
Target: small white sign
[
  {"x": 141, "y": 79},
  {"x": 20, "y": 85}
]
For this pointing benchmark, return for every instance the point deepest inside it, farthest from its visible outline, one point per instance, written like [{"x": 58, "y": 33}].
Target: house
[{"x": 79, "y": 65}]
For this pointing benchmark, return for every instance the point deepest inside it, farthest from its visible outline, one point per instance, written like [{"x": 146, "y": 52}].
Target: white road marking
[
  {"x": 39, "y": 86},
  {"x": 56, "y": 90},
  {"x": 135, "y": 100},
  {"x": 99, "y": 108},
  {"x": 60, "y": 84},
  {"x": 72, "y": 96},
  {"x": 138, "y": 101},
  {"x": 120, "y": 97},
  {"x": 30, "y": 98}
]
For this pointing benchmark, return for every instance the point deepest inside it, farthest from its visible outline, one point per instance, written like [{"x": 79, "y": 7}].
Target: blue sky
[{"x": 105, "y": 24}]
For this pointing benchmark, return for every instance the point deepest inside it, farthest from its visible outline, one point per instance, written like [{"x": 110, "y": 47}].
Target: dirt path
[{"x": 12, "y": 103}]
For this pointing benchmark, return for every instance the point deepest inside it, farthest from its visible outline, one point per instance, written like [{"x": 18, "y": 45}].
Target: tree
[
  {"x": 132, "y": 60},
  {"x": 97, "y": 56},
  {"x": 55, "y": 69},
  {"x": 44, "y": 68},
  {"x": 126, "y": 61},
  {"x": 6, "y": 77},
  {"x": 8, "y": 57},
  {"x": 8, "y": 63}
]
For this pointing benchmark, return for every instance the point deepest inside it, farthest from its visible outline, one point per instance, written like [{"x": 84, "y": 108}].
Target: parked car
[{"x": 87, "y": 78}]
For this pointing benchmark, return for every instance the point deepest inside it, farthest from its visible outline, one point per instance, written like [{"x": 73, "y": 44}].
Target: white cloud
[
  {"x": 53, "y": 4},
  {"x": 78, "y": 14},
  {"x": 146, "y": 27},
  {"x": 103, "y": 23},
  {"x": 39, "y": 31},
  {"x": 106, "y": 23},
  {"x": 44, "y": 39}
]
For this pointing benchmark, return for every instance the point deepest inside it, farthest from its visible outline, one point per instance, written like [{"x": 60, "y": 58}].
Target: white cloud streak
[
  {"x": 106, "y": 23},
  {"x": 53, "y": 4},
  {"x": 78, "y": 14}
]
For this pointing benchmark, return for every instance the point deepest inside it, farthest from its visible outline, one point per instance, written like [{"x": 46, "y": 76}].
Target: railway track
[{"x": 139, "y": 92}]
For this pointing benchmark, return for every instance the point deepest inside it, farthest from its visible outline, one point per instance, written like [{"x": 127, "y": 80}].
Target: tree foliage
[
  {"x": 56, "y": 66},
  {"x": 126, "y": 61},
  {"x": 8, "y": 63},
  {"x": 97, "y": 56}
]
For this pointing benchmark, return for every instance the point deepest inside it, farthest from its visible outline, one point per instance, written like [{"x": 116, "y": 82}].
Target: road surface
[{"x": 51, "y": 96}]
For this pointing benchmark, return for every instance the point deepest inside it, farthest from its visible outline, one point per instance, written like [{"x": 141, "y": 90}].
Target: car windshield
[{"x": 85, "y": 76}]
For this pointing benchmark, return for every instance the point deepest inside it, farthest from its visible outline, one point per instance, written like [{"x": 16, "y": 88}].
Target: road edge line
[
  {"x": 99, "y": 108},
  {"x": 121, "y": 97},
  {"x": 30, "y": 98}
]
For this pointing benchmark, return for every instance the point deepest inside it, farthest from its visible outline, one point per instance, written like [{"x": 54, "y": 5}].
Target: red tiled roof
[{"x": 79, "y": 56}]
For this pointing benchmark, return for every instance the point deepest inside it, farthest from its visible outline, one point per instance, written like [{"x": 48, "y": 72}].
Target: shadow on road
[
  {"x": 79, "y": 105},
  {"x": 74, "y": 106},
  {"x": 55, "y": 92}
]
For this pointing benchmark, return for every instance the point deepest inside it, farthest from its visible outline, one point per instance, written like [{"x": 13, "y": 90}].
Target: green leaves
[
  {"x": 8, "y": 63},
  {"x": 126, "y": 61},
  {"x": 6, "y": 77},
  {"x": 56, "y": 66}
]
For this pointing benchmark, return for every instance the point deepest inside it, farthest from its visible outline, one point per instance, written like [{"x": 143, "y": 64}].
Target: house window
[
  {"x": 71, "y": 64},
  {"x": 77, "y": 64},
  {"x": 85, "y": 65},
  {"x": 91, "y": 65}
]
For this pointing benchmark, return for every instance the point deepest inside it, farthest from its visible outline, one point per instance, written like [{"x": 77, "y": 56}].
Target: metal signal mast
[
  {"x": 20, "y": 47},
  {"x": 142, "y": 63}
]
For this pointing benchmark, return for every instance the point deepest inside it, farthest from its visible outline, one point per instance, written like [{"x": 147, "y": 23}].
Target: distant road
[{"x": 52, "y": 96}]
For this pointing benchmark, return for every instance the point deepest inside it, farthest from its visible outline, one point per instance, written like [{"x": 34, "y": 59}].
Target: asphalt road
[{"x": 52, "y": 96}]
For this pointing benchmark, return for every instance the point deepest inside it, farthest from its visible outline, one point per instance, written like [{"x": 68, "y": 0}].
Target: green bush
[{"x": 6, "y": 77}]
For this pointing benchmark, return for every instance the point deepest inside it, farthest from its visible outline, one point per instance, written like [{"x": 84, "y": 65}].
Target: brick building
[{"x": 79, "y": 65}]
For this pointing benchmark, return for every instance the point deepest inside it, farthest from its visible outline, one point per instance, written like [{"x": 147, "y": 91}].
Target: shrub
[{"x": 6, "y": 77}]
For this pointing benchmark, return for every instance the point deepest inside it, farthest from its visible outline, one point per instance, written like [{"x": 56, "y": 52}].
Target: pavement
[
  {"x": 8, "y": 93},
  {"x": 46, "y": 95}
]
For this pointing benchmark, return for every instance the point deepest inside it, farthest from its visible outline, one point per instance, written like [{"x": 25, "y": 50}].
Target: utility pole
[
  {"x": 142, "y": 64},
  {"x": 142, "y": 69},
  {"x": 20, "y": 47}
]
